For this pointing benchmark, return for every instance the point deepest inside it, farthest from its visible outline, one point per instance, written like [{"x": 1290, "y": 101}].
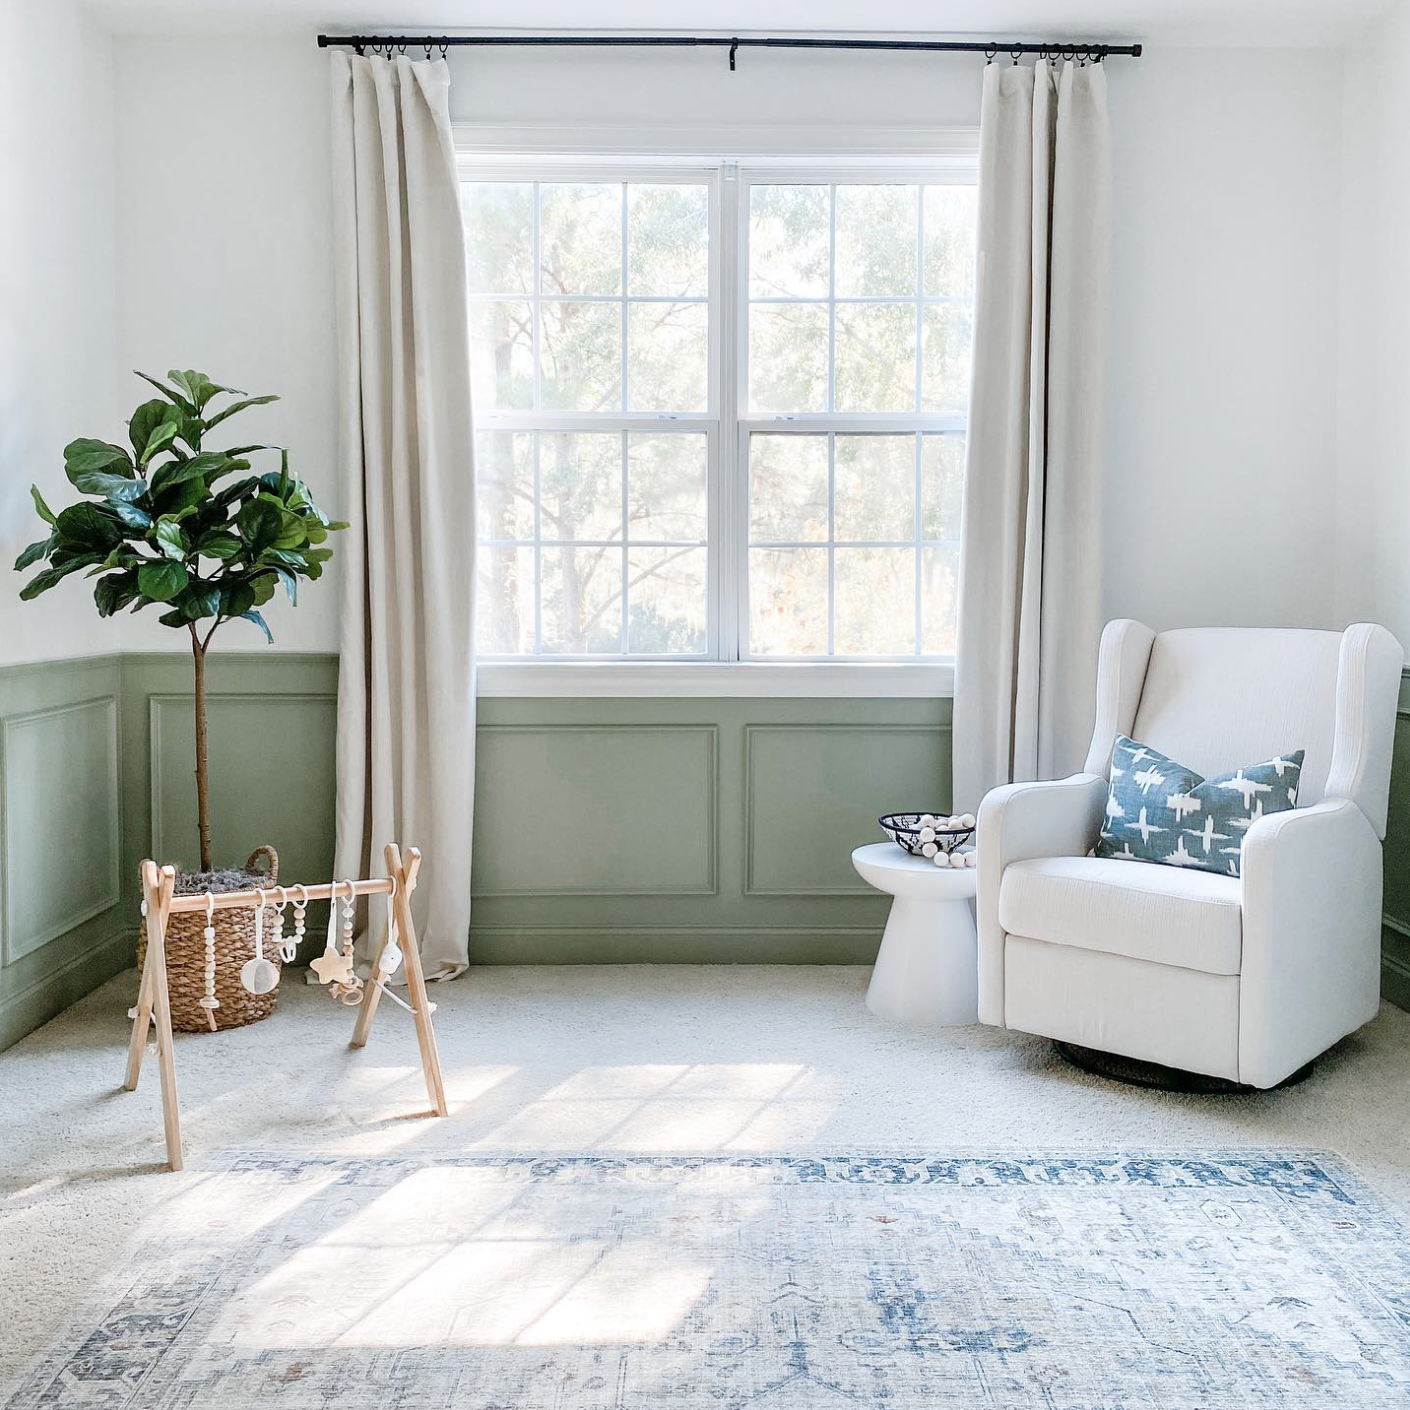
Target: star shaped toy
[{"x": 333, "y": 967}]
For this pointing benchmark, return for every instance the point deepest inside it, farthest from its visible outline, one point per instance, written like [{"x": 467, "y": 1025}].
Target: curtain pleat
[
  {"x": 406, "y": 689},
  {"x": 1030, "y": 575}
]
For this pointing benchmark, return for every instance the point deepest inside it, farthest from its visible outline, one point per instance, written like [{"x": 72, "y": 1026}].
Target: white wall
[
  {"x": 1223, "y": 430},
  {"x": 56, "y": 297},
  {"x": 1222, "y": 391},
  {"x": 224, "y": 261},
  {"x": 673, "y": 89},
  {"x": 1373, "y": 442}
]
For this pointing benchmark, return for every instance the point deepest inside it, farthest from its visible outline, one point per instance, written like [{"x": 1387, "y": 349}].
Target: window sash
[{"x": 727, "y": 424}]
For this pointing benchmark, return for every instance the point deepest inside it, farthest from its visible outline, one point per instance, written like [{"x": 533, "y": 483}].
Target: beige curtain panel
[
  {"x": 406, "y": 688},
  {"x": 1030, "y": 587}
]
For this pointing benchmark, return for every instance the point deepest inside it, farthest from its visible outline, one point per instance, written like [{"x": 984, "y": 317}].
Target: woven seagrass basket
[{"x": 234, "y": 944}]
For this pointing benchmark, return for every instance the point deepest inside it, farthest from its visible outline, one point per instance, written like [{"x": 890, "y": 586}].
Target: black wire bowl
[{"x": 904, "y": 829}]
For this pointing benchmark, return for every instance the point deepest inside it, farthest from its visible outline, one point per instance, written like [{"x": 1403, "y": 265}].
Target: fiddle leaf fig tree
[{"x": 195, "y": 530}]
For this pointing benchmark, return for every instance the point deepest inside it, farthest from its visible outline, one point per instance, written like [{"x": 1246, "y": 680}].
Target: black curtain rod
[{"x": 399, "y": 43}]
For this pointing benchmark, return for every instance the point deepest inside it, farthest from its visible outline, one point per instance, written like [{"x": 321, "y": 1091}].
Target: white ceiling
[{"x": 1243, "y": 22}]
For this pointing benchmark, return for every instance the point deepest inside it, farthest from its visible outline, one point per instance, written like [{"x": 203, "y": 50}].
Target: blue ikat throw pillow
[{"x": 1160, "y": 811}]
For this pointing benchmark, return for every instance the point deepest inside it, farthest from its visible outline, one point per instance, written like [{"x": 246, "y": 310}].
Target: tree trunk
[{"x": 203, "y": 783}]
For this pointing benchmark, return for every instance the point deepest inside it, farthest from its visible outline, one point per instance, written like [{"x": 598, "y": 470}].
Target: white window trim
[
  {"x": 814, "y": 680},
  {"x": 877, "y": 154}
]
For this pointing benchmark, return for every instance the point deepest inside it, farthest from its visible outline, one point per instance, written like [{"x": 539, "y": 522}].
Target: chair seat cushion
[{"x": 1170, "y": 915}]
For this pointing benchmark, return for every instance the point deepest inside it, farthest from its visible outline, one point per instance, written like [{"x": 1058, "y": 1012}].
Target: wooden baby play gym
[{"x": 396, "y": 945}]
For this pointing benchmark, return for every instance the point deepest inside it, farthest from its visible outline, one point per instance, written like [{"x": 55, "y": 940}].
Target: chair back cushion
[{"x": 1217, "y": 698}]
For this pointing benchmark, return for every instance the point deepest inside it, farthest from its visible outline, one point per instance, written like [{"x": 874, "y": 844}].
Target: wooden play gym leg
[
  {"x": 371, "y": 992},
  {"x": 154, "y": 1006},
  {"x": 405, "y": 874}
]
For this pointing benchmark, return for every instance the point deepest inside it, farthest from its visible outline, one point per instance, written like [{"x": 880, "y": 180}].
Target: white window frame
[{"x": 726, "y": 669}]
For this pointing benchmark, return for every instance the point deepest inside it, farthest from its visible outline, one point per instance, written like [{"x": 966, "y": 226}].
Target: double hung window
[{"x": 719, "y": 408}]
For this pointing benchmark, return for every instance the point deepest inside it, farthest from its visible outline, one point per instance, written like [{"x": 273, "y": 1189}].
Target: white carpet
[{"x": 642, "y": 1059}]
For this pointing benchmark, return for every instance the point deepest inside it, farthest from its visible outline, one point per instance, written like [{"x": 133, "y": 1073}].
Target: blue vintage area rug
[{"x": 1184, "y": 1282}]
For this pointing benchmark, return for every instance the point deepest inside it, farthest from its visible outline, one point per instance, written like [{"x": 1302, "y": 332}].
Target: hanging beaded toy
[{"x": 208, "y": 1000}]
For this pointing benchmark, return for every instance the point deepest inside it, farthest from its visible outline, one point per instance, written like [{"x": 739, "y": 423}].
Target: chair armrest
[
  {"x": 1060, "y": 818},
  {"x": 1311, "y": 964}
]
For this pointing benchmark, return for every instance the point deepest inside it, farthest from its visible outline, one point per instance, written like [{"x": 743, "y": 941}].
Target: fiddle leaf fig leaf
[
  {"x": 85, "y": 526},
  {"x": 146, "y": 419},
  {"x": 238, "y": 597},
  {"x": 218, "y": 545},
  {"x": 260, "y": 623},
  {"x": 167, "y": 392},
  {"x": 169, "y": 538},
  {"x": 197, "y": 387},
  {"x": 41, "y": 508},
  {"x": 34, "y": 553},
  {"x": 259, "y": 523},
  {"x": 235, "y": 406},
  {"x": 42, "y": 582},
  {"x": 199, "y": 600},
  {"x": 85, "y": 456},
  {"x": 131, "y": 515},
  {"x": 175, "y": 499},
  {"x": 163, "y": 434},
  {"x": 114, "y": 592},
  {"x": 177, "y": 472},
  {"x": 161, "y": 581},
  {"x": 116, "y": 488}
]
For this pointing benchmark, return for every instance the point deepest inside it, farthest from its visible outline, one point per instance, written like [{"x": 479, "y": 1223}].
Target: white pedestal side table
[{"x": 927, "y": 970}]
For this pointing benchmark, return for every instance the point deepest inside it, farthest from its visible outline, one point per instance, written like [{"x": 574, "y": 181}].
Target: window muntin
[{"x": 615, "y": 520}]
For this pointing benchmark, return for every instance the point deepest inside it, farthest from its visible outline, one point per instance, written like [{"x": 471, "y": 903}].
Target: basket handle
[{"x": 270, "y": 855}]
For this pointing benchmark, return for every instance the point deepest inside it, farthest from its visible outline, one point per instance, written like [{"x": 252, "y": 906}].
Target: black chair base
[{"x": 1136, "y": 1073}]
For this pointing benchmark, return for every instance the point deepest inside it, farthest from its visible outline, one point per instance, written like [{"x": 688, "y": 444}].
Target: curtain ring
[
  {"x": 990, "y": 52},
  {"x": 360, "y": 50},
  {"x": 427, "y": 49},
  {"x": 1015, "y": 54},
  {"x": 445, "y": 51}
]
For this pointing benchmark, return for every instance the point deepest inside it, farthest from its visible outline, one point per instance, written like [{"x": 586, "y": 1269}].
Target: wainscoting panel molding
[
  {"x": 813, "y": 792},
  {"x": 1395, "y": 934},
  {"x": 271, "y": 770},
  {"x": 596, "y": 810},
  {"x": 61, "y": 926},
  {"x": 60, "y": 799}
]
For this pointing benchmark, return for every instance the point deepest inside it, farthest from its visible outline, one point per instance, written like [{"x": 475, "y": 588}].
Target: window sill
[{"x": 684, "y": 679}]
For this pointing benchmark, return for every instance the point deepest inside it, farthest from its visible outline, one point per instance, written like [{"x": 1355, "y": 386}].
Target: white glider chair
[{"x": 1245, "y": 979}]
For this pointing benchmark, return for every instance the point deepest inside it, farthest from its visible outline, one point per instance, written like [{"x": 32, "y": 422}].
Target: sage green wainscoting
[
  {"x": 606, "y": 829},
  {"x": 1395, "y": 959},
  {"x": 272, "y": 720},
  {"x": 691, "y": 830},
  {"x": 63, "y": 926}
]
